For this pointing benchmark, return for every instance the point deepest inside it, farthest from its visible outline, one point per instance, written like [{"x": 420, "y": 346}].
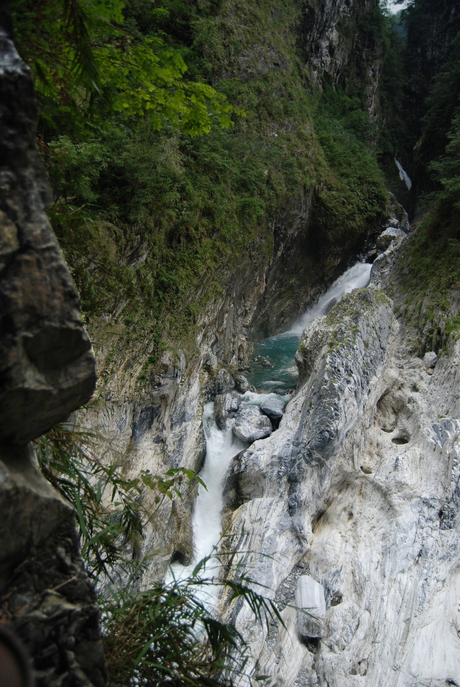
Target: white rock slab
[{"x": 311, "y": 608}]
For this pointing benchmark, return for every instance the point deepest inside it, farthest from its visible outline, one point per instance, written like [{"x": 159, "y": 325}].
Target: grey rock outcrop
[
  {"x": 251, "y": 424},
  {"x": 359, "y": 489},
  {"x": 273, "y": 408},
  {"x": 44, "y": 350},
  {"x": 47, "y": 369}
]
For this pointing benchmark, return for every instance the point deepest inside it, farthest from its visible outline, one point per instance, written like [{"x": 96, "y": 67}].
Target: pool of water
[{"x": 279, "y": 351}]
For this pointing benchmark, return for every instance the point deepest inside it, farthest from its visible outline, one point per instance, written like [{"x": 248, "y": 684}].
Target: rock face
[
  {"x": 44, "y": 350},
  {"x": 334, "y": 40},
  {"x": 358, "y": 489},
  {"x": 46, "y": 371}
]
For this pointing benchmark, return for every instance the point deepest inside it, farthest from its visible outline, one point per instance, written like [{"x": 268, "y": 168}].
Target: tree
[{"x": 87, "y": 64}]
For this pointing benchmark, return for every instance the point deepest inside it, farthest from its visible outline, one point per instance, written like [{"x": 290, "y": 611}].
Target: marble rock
[
  {"x": 251, "y": 424},
  {"x": 311, "y": 608},
  {"x": 273, "y": 408},
  {"x": 225, "y": 406}
]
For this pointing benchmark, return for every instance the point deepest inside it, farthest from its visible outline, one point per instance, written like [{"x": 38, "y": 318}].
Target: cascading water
[
  {"x": 280, "y": 349},
  {"x": 223, "y": 445},
  {"x": 403, "y": 175}
]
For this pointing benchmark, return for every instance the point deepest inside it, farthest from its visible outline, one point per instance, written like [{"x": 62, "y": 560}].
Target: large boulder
[
  {"x": 273, "y": 408},
  {"x": 251, "y": 424}
]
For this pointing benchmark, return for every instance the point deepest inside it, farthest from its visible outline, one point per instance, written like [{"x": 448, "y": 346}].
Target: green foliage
[
  {"x": 443, "y": 103},
  {"x": 354, "y": 194},
  {"x": 166, "y": 634},
  {"x": 87, "y": 64},
  {"x": 447, "y": 170},
  {"x": 108, "y": 506}
]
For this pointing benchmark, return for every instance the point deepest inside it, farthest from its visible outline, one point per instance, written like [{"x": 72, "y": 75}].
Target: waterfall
[
  {"x": 403, "y": 175},
  {"x": 280, "y": 349},
  {"x": 223, "y": 445},
  {"x": 356, "y": 277}
]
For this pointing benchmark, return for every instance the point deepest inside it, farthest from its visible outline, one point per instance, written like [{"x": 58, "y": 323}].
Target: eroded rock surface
[
  {"x": 358, "y": 489},
  {"x": 46, "y": 370},
  {"x": 251, "y": 424},
  {"x": 44, "y": 349}
]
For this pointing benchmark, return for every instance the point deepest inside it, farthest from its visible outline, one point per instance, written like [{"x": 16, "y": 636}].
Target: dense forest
[{"x": 173, "y": 133}]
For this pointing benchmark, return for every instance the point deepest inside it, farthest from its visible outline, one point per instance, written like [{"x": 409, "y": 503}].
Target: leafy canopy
[{"x": 87, "y": 64}]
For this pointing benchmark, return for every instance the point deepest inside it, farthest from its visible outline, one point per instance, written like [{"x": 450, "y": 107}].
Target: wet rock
[
  {"x": 241, "y": 383},
  {"x": 273, "y": 408},
  {"x": 225, "y": 406},
  {"x": 283, "y": 392},
  {"x": 262, "y": 361},
  {"x": 251, "y": 424}
]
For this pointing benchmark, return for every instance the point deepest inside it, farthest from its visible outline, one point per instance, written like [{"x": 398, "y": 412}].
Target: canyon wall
[
  {"x": 155, "y": 423},
  {"x": 47, "y": 369},
  {"x": 349, "y": 510}
]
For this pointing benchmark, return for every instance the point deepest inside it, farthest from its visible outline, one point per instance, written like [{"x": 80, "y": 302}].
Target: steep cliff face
[
  {"x": 46, "y": 371},
  {"x": 357, "y": 492},
  {"x": 339, "y": 41}
]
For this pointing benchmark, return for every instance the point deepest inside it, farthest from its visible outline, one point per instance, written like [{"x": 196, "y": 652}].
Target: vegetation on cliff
[{"x": 144, "y": 215}]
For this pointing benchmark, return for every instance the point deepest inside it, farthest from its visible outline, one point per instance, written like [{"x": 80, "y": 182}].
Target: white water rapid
[{"x": 223, "y": 445}]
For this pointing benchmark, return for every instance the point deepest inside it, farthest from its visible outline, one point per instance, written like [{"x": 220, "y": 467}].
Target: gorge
[{"x": 261, "y": 314}]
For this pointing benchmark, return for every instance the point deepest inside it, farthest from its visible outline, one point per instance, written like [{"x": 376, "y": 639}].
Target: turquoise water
[{"x": 280, "y": 349}]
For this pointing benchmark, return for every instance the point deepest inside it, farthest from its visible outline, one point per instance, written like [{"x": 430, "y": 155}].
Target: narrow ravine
[{"x": 274, "y": 380}]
